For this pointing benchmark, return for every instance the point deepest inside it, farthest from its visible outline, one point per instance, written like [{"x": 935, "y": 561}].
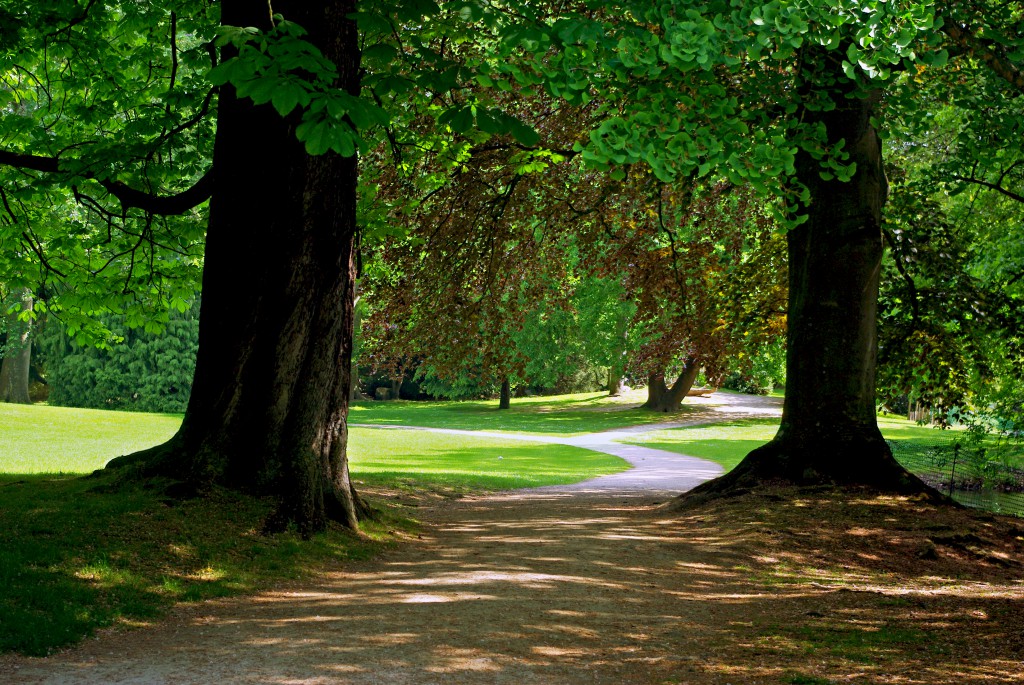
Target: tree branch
[
  {"x": 994, "y": 186},
  {"x": 129, "y": 197},
  {"x": 964, "y": 38}
]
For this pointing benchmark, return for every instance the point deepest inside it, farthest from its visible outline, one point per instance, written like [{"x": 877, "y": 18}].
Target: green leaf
[
  {"x": 381, "y": 52},
  {"x": 523, "y": 133},
  {"x": 462, "y": 120},
  {"x": 487, "y": 122},
  {"x": 286, "y": 98}
]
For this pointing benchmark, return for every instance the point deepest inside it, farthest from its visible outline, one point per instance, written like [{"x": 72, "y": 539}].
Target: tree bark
[
  {"x": 614, "y": 382},
  {"x": 353, "y": 367},
  {"x": 269, "y": 402},
  {"x": 829, "y": 432},
  {"x": 505, "y": 400},
  {"x": 656, "y": 388},
  {"x": 664, "y": 399},
  {"x": 14, "y": 370}
]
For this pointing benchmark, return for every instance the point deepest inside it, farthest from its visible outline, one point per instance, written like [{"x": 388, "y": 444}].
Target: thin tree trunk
[
  {"x": 829, "y": 432},
  {"x": 270, "y": 397},
  {"x": 14, "y": 370},
  {"x": 353, "y": 369},
  {"x": 505, "y": 400}
]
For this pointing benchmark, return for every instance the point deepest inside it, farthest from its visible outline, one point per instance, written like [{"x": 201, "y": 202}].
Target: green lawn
[
  {"x": 40, "y": 439},
  {"x": 727, "y": 443},
  {"x": 557, "y": 415},
  {"x": 387, "y": 457},
  {"x": 58, "y": 440},
  {"x": 77, "y": 554}
]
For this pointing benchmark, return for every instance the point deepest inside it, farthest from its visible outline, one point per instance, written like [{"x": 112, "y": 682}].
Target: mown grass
[
  {"x": 557, "y": 415},
  {"x": 41, "y": 439},
  {"x": 389, "y": 457},
  {"x": 727, "y": 443},
  {"x": 77, "y": 554}
]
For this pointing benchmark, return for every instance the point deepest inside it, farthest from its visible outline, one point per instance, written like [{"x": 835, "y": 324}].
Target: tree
[
  {"x": 688, "y": 259},
  {"x": 16, "y": 351},
  {"x": 268, "y": 404},
  {"x": 786, "y": 97}
]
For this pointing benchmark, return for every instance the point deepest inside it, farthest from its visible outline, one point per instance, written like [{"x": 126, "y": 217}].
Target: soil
[{"x": 608, "y": 587}]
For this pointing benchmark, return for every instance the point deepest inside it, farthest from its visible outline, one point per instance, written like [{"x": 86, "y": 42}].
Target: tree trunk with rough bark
[
  {"x": 662, "y": 398},
  {"x": 270, "y": 398},
  {"x": 14, "y": 370},
  {"x": 829, "y": 432},
  {"x": 505, "y": 400}
]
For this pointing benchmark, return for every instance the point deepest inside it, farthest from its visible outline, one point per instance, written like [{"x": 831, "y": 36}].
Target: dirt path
[{"x": 557, "y": 586}]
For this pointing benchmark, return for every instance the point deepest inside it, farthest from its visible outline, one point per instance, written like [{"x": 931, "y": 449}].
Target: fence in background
[{"x": 975, "y": 476}]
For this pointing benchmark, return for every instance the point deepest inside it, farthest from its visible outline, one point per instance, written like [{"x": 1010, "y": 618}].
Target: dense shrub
[
  {"x": 149, "y": 372},
  {"x": 759, "y": 371}
]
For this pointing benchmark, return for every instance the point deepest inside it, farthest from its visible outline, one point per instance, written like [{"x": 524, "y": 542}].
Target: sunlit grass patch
[
  {"x": 727, "y": 443},
  {"x": 385, "y": 456},
  {"x": 723, "y": 443},
  {"x": 41, "y": 439},
  {"x": 558, "y": 415}
]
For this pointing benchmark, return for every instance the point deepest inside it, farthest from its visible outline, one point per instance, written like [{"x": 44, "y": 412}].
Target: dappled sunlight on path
[
  {"x": 548, "y": 589},
  {"x": 555, "y": 590},
  {"x": 599, "y": 584}
]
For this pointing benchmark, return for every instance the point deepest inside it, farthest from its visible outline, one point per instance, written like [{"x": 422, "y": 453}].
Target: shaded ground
[
  {"x": 559, "y": 589},
  {"x": 562, "y": 586}
]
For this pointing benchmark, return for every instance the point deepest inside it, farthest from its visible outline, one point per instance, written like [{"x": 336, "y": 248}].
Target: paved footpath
[{"x": 655, "y": 473}]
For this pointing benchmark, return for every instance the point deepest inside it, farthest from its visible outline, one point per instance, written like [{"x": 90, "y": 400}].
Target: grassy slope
[{"x": 39, "y": 439}]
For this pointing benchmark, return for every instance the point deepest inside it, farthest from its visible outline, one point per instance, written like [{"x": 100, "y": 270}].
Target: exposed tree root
[{"x": 869, "y": 466}]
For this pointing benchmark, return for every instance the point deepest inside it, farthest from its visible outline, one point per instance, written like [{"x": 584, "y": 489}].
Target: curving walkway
[
  {"x": 655, "y": 473},
  {"x": 563, "y": 585}
]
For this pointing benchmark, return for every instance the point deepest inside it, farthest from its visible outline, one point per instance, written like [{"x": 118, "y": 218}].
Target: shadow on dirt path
[{"x": 570, "y": 587}]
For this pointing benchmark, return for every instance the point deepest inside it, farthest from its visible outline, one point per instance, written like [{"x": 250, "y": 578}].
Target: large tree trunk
[
  {"x": 664, "y": 399},
  {"x": 14, "y": 370},
  {"x": 829, "y": 433},
  {"x": 270, "y": 398}
]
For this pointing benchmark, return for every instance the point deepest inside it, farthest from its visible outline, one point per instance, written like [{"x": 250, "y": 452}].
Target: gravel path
[{"x": 572, "y": 584}]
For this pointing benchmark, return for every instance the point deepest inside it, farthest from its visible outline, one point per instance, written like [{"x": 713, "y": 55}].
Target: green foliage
[
  {"x": 692, "y": 89},
  {"x": 143, "y": 371},
  {"x": 760, "y": 370},
  {"x": 99, "y": 101}
]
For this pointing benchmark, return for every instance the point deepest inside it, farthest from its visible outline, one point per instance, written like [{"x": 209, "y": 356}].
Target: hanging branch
[{"x": 128, "y": 196}]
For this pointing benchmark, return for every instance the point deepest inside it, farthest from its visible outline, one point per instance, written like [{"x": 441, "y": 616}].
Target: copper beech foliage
[{"x": 506, "y": 234}]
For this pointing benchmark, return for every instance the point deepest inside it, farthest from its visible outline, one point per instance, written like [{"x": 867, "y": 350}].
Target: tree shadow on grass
[
  {"x": 781, "y": 586},
  {"x": 76, "y": 557}
]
